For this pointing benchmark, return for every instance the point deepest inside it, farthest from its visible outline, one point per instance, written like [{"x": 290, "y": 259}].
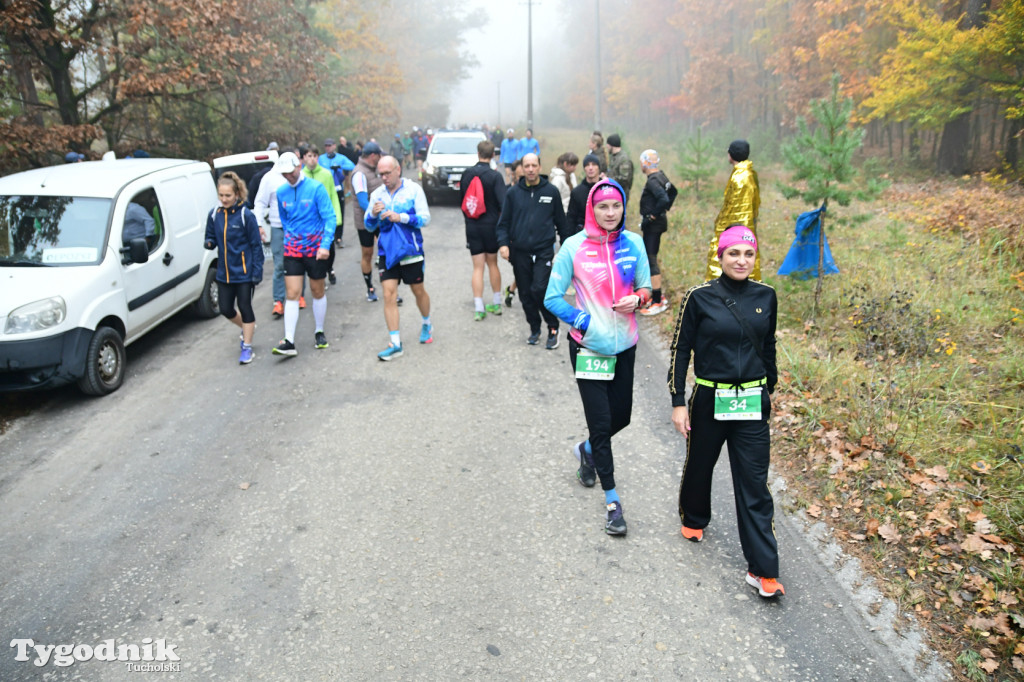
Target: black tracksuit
[
  {"x": 531, "y": 217},
  {"x": 577, "y": 213},
  {"x": 723, "y": 353}
]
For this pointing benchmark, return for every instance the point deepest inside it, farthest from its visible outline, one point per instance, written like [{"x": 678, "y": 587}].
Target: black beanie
[
  {"x": 739, "y": 150},
  {"x": 614, "y": 140},
  {"x": 591, "y": 158}
]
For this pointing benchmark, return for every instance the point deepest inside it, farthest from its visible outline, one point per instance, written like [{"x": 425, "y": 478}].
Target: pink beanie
[
  {"x": 737, "y": 234},
  {"x": 606, "y": 191}
]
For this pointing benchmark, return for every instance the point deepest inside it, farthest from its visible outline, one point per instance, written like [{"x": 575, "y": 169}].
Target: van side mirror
[{"x": 137, "y": 251}]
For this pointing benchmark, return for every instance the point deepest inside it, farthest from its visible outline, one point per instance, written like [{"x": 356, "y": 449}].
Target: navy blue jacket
[{"x": 236, "y": 236}]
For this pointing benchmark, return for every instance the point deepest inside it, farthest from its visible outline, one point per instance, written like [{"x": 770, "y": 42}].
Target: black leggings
[
  {"x": 608, "y": 407},
  {"x": 242, "y": 291}
]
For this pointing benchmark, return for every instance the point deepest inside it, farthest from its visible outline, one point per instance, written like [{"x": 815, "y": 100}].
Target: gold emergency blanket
[{"x": 742, "y": 200}]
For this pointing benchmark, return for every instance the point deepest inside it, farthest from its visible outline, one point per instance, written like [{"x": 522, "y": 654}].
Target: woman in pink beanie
[{"x": 728, "y": 325}]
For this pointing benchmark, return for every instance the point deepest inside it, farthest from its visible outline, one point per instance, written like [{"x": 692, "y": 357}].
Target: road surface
[{"x": 334, "y": 517}]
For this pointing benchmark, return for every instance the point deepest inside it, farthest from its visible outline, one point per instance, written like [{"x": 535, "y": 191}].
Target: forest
[{"x": 937, "y": 82}]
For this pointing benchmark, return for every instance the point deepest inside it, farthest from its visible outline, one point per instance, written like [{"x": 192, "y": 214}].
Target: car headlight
[
  {"x": 428, "y": 168},
  {"x": 36, "y": 316}
]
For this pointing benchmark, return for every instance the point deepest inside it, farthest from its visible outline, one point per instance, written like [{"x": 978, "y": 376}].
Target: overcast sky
[{"x": 500, "y": 47}]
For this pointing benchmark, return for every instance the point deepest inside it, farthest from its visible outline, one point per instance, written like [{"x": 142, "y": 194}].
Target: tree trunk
[
  {"x": 1010, "y": 153},
  {"x": 952, "y": 157},
  {"x": 821, "y": 258},
  {"x": 26, "y": 83}
]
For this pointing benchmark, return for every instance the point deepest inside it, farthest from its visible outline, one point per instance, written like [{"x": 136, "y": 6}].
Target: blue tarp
[{"x": 802, "y": 260}]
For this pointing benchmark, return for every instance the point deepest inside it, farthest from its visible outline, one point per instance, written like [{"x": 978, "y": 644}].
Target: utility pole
[
  {"x": 529, "y": 64},
  {"x": 597, "y": 61}
]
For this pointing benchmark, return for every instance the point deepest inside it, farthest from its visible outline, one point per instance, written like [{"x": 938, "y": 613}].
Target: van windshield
[
  {"x": 455, "y": 145},
  {"x": 52, "y": 231}
]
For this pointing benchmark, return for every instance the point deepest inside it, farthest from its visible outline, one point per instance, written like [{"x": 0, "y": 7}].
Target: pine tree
[
  {"x": 821, "y": 160},
  {"x": 696, "y": 162}
]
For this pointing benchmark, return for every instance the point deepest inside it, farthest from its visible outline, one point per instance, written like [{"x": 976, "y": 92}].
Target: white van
[{"x": 94, "y": 255}]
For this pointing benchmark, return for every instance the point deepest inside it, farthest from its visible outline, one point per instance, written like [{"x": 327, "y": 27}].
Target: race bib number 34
[
  {"x": 590, "y": 365},
  {"x": 735, "y": 405}
]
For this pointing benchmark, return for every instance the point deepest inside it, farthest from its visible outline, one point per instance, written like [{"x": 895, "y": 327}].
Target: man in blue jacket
[
  {"x": 528, "y": 144},
  {"x": 509, "y": 154},
  {"x": 308, "y": 220},
  {"x": 397, "y": 211}
]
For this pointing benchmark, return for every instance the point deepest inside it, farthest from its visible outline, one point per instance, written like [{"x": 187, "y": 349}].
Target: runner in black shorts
[
  {"x": 308, "y": 221},
  {"x": 481, "y": 232},
  {"x": 398, "y": 212}
]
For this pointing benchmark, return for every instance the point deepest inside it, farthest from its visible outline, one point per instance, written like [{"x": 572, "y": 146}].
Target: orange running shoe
[
  {"x": 766, "y": 587},
  {"x": 302, "y": 301},
  {"x": 693, "y": 534},
  {"x": 278, "y": 309}
]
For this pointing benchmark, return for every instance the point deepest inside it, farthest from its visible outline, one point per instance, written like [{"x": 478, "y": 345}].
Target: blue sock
[
  {"x": 611, "y": 496},
  {"x": 586, "y": 446}
]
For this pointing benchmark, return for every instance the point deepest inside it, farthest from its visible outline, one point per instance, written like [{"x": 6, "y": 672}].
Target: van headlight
[
  {"x": 428, "y": 168},
  {"x": 36, "y": 316}
]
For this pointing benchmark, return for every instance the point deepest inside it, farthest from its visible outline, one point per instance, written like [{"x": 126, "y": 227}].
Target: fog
[{"x": 500, "y": 47}]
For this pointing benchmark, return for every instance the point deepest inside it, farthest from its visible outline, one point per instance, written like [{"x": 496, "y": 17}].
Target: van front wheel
[
  {"x": 208, "y": 304},
  {"x": 104, "y": 364}
]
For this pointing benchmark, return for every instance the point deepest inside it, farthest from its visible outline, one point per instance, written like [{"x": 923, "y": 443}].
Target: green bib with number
[
  {"x": 590, "y": 365},
  {"x": 733, "y": 404}
]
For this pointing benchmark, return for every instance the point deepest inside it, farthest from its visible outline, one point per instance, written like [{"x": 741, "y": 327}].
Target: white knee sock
[
  {"x": 320, "y": 311},
  {"x": 291, "y": 319}
]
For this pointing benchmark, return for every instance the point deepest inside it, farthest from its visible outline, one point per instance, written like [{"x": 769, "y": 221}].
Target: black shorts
[
  {"x": 366, "y": 238},
  {"x": 481, "y": 238},
  {"x": 305, "y": 265},
  {"x": 411, "y": 273},
  {"x": 421, "y": 154}
]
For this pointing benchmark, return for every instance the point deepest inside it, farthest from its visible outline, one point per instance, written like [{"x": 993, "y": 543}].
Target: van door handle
[{"x": 168, "y": 258}]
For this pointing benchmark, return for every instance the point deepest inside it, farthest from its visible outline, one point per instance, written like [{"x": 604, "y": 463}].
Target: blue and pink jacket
[{"x": 603, "y": 267}]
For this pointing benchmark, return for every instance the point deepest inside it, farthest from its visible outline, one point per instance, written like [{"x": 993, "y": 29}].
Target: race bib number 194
[{"x": 590, "y": 365}]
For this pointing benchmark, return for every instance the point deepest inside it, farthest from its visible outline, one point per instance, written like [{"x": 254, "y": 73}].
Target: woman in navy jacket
[{"x": 232, "y": 230}]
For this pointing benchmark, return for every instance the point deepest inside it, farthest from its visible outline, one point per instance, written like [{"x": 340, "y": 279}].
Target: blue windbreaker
[
  {"x": 307, "y": 217},
  {"x": 400, "y": 241},
  {"x": 236, "y": 236}
]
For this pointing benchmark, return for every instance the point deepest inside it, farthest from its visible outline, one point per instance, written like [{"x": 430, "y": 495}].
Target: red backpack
[{"x": 473, "y": 203}]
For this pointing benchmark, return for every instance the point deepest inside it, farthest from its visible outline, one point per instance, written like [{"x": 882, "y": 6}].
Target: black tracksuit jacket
[
  {"x": 531, "y": 217},
  {"x": 722, "y": 351}
]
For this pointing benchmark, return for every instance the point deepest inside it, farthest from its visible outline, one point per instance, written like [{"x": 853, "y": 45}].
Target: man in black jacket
[
  {"x": 577, "y": 212},
  {"x": 531, "y": 216},
  {"x": 481, "y": 235},
  {"x": 655, "y": 201}
]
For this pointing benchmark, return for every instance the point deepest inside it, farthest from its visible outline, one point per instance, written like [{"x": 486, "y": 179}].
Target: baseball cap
[
  {"x": 372, "y": 147},
  {"x": 73, "y": 157},
  {"x": 287, "y": 163},
  {"x": 329, "y": 140},
  {"x": 273, "y": 146}
]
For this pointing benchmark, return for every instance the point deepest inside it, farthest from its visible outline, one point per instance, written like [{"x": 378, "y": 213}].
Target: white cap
[{"x": 287, "y": 162}]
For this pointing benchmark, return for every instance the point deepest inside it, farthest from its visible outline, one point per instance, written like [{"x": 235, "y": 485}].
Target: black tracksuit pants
[
  {"x": 608, "y": 406},
  {"x": 749, "y": 450},
  {"x": 532, "y": 272}
]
